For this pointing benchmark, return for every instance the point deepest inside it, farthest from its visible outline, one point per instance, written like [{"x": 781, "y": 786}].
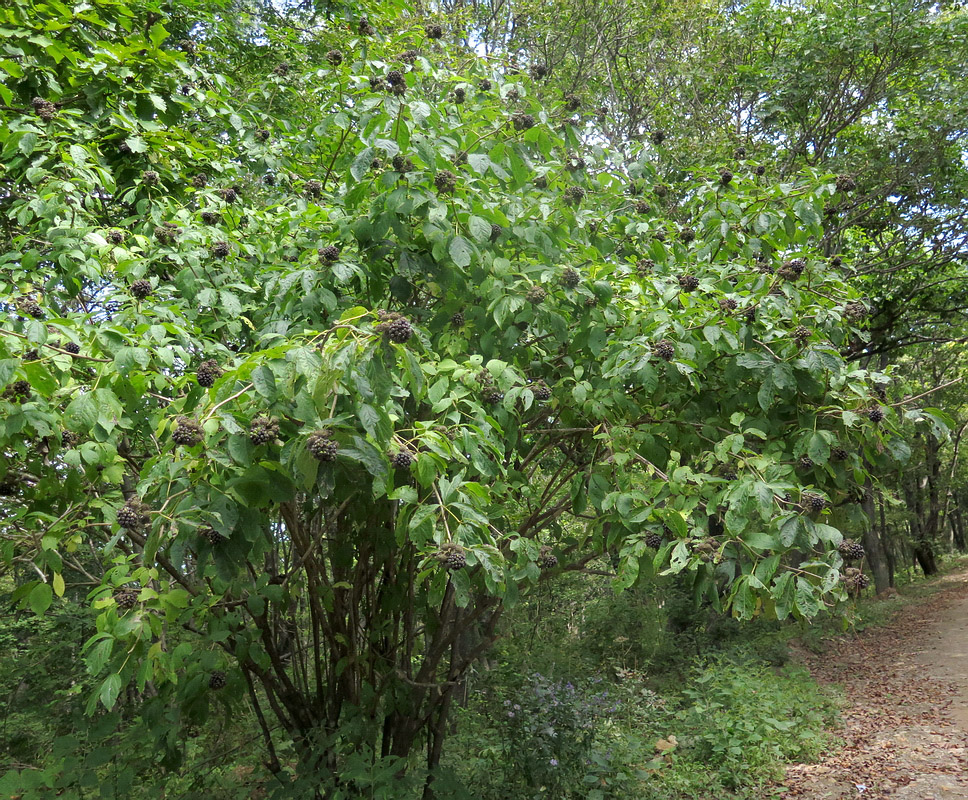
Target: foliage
[{"x": 328, "y": 371}]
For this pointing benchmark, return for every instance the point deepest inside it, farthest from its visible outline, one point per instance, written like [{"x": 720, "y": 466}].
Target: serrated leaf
[{"x": 460, "y": 251}]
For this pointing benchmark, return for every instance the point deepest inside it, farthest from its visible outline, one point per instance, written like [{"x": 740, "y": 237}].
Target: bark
[{"x": 873, "y": 546}]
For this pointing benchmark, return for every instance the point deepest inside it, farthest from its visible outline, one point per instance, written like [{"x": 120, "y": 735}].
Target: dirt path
[{"x": 906, "y": 721}]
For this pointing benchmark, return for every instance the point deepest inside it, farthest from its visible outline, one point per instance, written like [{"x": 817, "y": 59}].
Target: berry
[
  {"x": 570, "y": 278},
  {"x": 574, "y": 162},
  {"x": 321, "y": 446},
  {"x": 445, "y": 181},
  {"x": 855, "y": 310},
  {"x": 725, "y": 177},
  {"x": 642, "y": 207},
  {"x": 687, "y": 235},
  {"x": 492, "y": 395},
  {"x": 132, "y": 515},
  {"x": 740, "y": 153},
  {"x": 269, "y": 179},
  {"x": 409, "y": 56},
  {"x": 660, "y": 190},
  {"x": 399, "y": 330},
  {"x": 839, "y": 454},
  {"x": 402, "y": 164},
  {"x": 211, "y": 217},
  {"x": 813, "y": 502},
  {"x": 793, "y": 269},
  {"x": 150, "y": 178},
  {"x": 836, "y": 261},
  {"x": 485, "y": 85},
  {"x": 334, "y": 57},
  {"x": 541, "y": 181},
  {"x": 73, "y": 348},
  {"x": 542, "y": 392},
  {"x": 572, "y": 102},
  {"x": 805, "y": 463},
  {"x": 539, "y": 71},
  {"x": 546, "y": 559},
  {"x": 665, "y": 350},
  {"x": 217, "y": 680},
  {"x": 728, "y": 304},
  {"x": 760, "y": 170},
  {"x": 30, "y": 355},
  {"x": 377, "y": 84},
  {"x": 855, "y": 580},
  {"x": 688, "y": 283},
  {"x": 229, "y": 195},
  {"x": 220, "y": 249},
  {"x": 536, "y": 295},
  {"x": 402, "y": 459},
  {"x": 263, "y": 430},
  {"x": 19, "y": 388},
  {"x": 167, "y": 232},
  {"x": 434, "y": 31},
  {"x": 208, "y": 372},
  {"x": 395, "y": 78},
  {"x": 644, "y": 267},
  {"x": 457, "y": 319},
  {"x": 115, "y": 236},
  {"x": 126, "y": 598},
  {"x": 496, "y": 231},
  {"x": 653, "y": 540},
  {"x": 749, "y": 314},
  {"x": 365, "y": 28},
  {"x": 212, "y": 536},
  {"x": 329, "y": 253},
  {"x": 851, "y": 550},
  {"x": 875, "y": 414},
  {"x": 452, "y": 556},
  {"x": 460, "y": 94},
  {"x": 801, "y": 333},
  {"x": 845, "y": 184},
  {"x": 522, "y": 122},
  {"x": 313, "y": 188},
  {"x": 200, "y": 181},
  {"x": 187, "y": 432},
  {"x": 574, "y": 195},
  {"x": 141, "y": 288},
  {"x": 281, "y": 69},
  {"x": 69, "y": 439},
  {"x": 658, "y": 137},
  {"x": 262, "y": 134}
]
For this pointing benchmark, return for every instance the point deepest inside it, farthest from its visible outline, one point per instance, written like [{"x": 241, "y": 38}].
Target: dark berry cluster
[
  {"x": 377, "y": 84},
  {"x": 211, "y": 217},
  {"x": 402, "y": 459},
  {"x": 801, "y": 334},
  {"x": 18, "y": 390},
  {"x": 212, "y": 536},
  {"x": 687, "y": 235},
  {"x": 644, "y": 267},
  {"x": 539, "y": 71},
  {"x": 851, "y": 550},
  {"x": 572, "y": 102},
  {"x": 839, "y": 454},
  {"x": 115, "y": 236},
  {"x": 541, "y": 181},
  {"x": 485, "y": 85},
  {"x": 126, "y": 598},
  {"x": 665, "y": 350},
  {"x": 69, "y": 439},
  {"x": 73, "y": 348},
  {"x": 855, "y": 580},
  {"x": 167, "y": 232},
  {"x": 216, "y": 680},
  {"x": 658, "y": 137},
  {"x": 547, "y": 559},
  {"x": 813, "y": 502},
  {"x": 262, "y": 134},
  {"x": 229, "y": 195},
  {"x": 457, "y": 319},
  {"x": 574, "y": 195},
  {"x": 220, "y": 249},
  {"x": 460, "y": 94},
  {"x": 329, "y": 253},
  {"x": 200, "y": 181},
  {"x": 365, "y": 28},
  {"x": 574, "y": 162},
  {"x": 845, "y": 184},
  {"x": 445, "y": 181},
  {"x": 44, "y": 108},
  {"x": 409, "y": 56},
  {"x": 452, "y": 556},
  {"x": 726, "y": 177},
  {"x": 855, "y": 310},
  {"x": 334, "y": 57},
  {"x": 542, "y": 392},
  {"x": 653, "y": 540},
  {"x": 402, "y": 164},
  {"x": 875, "y": 414},
  {"x": 688, "y": 283},
  {"x": 792, "y": 269},
  {"x": 642, "y": 207},
  {"x": 132, "y": 515},
  {"x": 522, "y": 121},
  {"x": 208, "y": 372},
  {"x": 760, "y": 170},
  {"x": 281, "y": 69},
  {"x": 728, "y": 304},
  {"x": 395, "y": 78},
  {"x": 263, "y": 430},
  {"x": 536, "y": 295},
  {"x": 396, "y": 327},
  {"x": 570, "y": 277},
  {"x": 187, "y": 432},
  {"x": 321, "y": 445},
  {"x": 314, "y": 188},
  {"x": 496, "y": 231},
  {"x": 150, "y": 178},
  {"x": 434, "y": 31},
  {"x": 805, "y": 463},
  {"x": 492, "y": 395}
]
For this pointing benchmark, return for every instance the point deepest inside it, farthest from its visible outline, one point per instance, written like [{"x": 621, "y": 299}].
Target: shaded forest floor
[{"x": 905, "y": 718}]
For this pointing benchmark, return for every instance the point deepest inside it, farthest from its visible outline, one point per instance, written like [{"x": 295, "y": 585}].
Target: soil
[{"x": 905, "y": 719}]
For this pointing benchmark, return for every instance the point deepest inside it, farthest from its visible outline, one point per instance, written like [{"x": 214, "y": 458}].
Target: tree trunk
[
  {"x": 886, "y": 542},
  {"x": 873, "y": 547}
]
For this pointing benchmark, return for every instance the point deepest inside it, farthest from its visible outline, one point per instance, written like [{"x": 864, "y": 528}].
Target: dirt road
[{"x": 905, "y": 728}]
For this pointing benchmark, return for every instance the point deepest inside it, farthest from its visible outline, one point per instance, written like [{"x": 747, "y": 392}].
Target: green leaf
[
  {"x": 264, "y": 382},
  {"x": 40, "y": 598},
  {"x": 460, "y": 251},
  {"x": 109, "y": 691}
]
